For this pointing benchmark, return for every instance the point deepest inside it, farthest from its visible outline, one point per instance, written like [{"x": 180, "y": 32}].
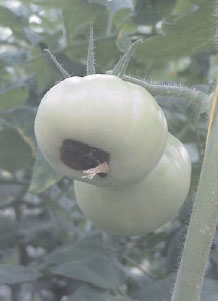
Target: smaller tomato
[
  {"x": 143, "y": 207},
  {"x": 101, "y": 129}
]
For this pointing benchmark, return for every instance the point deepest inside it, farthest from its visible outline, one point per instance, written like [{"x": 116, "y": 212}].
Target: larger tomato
[{"x": 101, "y": 130}]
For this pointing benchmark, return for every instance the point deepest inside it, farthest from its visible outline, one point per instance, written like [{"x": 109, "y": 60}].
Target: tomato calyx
[{"x": 89, "y": 159}]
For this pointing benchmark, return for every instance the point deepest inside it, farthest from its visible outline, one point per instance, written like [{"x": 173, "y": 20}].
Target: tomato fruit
[
  {"x": 145, "y": 206},
  {"x": 101, "y": 129}
]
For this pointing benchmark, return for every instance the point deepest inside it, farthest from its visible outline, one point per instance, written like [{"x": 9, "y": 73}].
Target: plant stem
[{"x": 202, "y": 225}]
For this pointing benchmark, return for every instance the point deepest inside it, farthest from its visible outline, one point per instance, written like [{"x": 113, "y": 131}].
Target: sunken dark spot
[{"x": 80, "y": 156}]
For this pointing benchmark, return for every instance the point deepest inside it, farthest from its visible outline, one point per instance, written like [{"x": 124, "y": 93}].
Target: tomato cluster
[{"x": 111, "y": 136}]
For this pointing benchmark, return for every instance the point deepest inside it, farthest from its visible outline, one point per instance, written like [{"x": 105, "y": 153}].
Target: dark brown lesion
[{"x": 80, "y": 156}]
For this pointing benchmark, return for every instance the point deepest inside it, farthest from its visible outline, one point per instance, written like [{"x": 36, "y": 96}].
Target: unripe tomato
[
  {"x": 101, "y": 129},
  {"x": 143, "y": 207}
]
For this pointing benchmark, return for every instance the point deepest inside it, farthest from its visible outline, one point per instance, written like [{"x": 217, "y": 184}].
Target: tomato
[
  {"x": 143, "y": 207},
  {"x": 101, "y": 129}
]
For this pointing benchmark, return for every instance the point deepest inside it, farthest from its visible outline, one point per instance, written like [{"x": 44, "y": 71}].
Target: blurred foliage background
[{"x": 48, "y": 249}]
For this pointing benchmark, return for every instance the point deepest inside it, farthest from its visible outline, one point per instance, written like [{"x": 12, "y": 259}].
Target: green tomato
[
  {"x": 143, "y": 207},
  {"x": 101, "y": 129}
]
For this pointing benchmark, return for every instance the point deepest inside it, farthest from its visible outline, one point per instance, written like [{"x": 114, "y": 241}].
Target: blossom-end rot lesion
[{"x": 92, "y": 172}]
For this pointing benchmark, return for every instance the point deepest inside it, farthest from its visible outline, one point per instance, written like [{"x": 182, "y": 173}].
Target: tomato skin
[
  {"x": 104, "y": 112},
  {"x": 145, "y": 206}
]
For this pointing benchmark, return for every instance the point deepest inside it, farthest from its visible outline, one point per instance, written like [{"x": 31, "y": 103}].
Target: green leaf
[
  {"x": 8, "y": 233},
  {"x": 123, "y": 21},
  {"x": 91, "y": 245},
  {"x": 15, "y": 21},
  {"x": 182, "y": 7},
  {"x": 151, "y": 11},
  {"x": 43, "y": 175},
  {"x": 199, "y": 2},
  {"x": 47, "y": 3},
  {"x": 12, "y": 57},
  {"x": 78, "y": 15},
  {"x": 88, "y": 261},
  {"x": 10, "y": 274},
  {"x": 187, "y": 36},
  {"x": 120, "y": 298},
  {"x": 115, "y": 5},
  {"x": 11, "y": 19},
  {"x": 32, "y": 36},
  {"x": 88, "y": 293},
  {"x": 13, "y": 96},
  {"x": 8, "y": 194},
  {"x": 22, "y": 120},
  {"x": 107, "y": 49},
  {"x": 96, "y": 269},
  {"x": 15, "y": 153},
  {"x": 17, "y": 139},
  {"x": 20, "y": 127}
]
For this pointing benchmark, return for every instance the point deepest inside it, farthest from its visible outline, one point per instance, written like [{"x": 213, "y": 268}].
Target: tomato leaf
[
  {"x": 13, "y": 96},
  {"x": 10, "y": 274},
  {"x": 43, "y": 175},
  {"x": 187, "y": 36}
]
